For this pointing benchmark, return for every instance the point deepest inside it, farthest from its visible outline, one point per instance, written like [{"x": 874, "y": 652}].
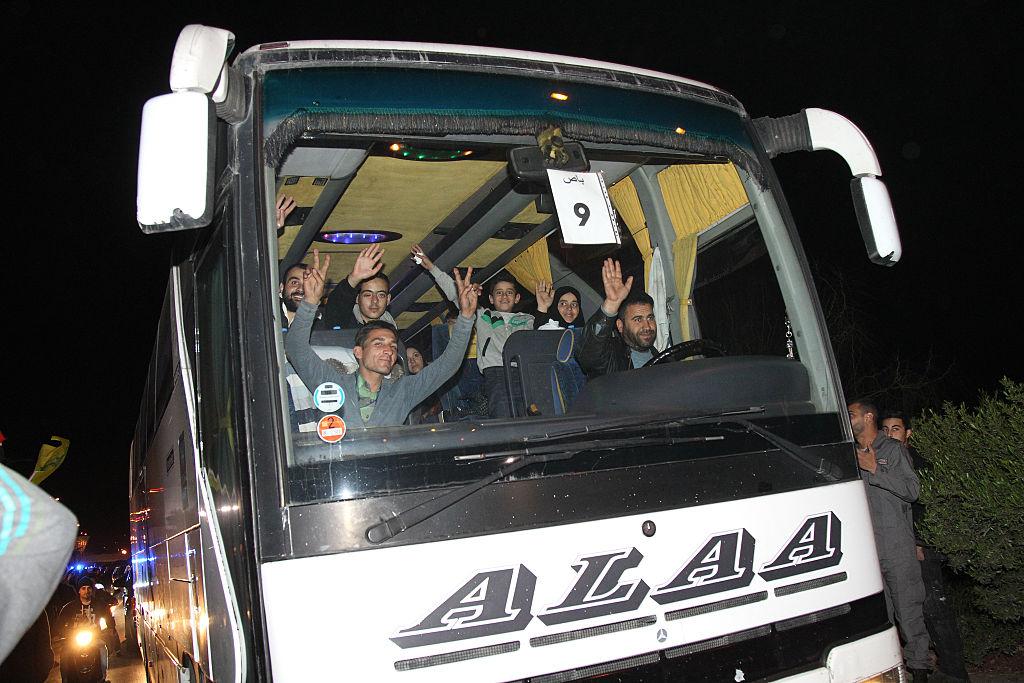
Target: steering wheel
[{"x": 693, "y": 347}]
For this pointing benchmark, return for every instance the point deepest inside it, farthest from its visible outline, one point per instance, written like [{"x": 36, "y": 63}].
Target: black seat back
[{"x": 534, "y": 374}]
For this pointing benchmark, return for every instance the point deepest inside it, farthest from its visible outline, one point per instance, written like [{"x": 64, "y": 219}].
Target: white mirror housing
[
  {"x": 877, "y": 220},
  {"x": 176, "y": 163},
  {"x": 199, "y": 57}
]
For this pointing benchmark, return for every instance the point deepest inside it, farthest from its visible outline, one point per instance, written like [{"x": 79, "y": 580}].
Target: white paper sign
[{"x": 584, "y": 209}]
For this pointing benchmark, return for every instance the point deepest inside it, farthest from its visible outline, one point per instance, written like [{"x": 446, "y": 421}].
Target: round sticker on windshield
[
  {"x": 329, "y": 397},
  {"x": 331, "y": 428}
]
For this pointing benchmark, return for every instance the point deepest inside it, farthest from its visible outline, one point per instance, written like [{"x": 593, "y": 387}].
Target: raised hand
[
  {"x": 314, "y": 277},
  {"x": 469, "y": 292},
  {"x": 367, "y": 264},
  {"x": 545, "y": 296},
  {"x": 285, "y": 205},
  {"x": 418, "y": 253},
  {"x": 615, "y": 290}
]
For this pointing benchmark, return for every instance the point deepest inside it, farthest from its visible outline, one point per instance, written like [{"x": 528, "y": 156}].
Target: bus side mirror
[
  {"x": 176, "y": 163},
  {"x": 877, "y": 220},
  {"x": 816, "y": 129}
]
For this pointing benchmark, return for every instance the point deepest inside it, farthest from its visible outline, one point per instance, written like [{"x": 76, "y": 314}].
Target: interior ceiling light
[
  {"x": 358, "y": 236},
  {"x": 403, "y": 151},
  {"x": 560, "y": 96}
]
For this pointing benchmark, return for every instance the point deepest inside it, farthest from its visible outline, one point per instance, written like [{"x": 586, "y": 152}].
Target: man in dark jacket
[
  {"x": 85, "y": 609},
  {"x": 620, "y": 335}
]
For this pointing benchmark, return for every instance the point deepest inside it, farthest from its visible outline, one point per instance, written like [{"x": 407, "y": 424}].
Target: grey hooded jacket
[{"x": 397, "y": 396}]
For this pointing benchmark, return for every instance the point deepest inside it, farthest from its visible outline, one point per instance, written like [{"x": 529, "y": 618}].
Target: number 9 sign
[{"x": 584, "y": 209}]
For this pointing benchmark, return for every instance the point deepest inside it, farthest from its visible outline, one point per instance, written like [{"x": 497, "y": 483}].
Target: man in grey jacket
[
  {"x": 892, "y": 486},
  {"x": 371, "y": 398}
]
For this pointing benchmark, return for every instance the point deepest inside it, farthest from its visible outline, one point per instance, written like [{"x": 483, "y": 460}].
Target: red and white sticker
[{"x": 331, "y": 428}]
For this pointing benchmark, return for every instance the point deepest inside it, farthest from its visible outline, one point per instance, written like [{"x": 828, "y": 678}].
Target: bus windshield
[{"x": 413, "y": 164}]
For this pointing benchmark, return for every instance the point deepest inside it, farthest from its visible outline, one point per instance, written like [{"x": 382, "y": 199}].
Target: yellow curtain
[
  {"x": 531, "y": 265},
  {"x": 696, "y": 197},
  {"x": 627, "y": 203}
]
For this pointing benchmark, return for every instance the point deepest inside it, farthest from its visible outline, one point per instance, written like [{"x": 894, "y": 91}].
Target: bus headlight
[{"x": 83, "y": 637}]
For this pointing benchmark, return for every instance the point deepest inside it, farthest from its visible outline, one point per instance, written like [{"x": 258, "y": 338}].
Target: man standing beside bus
[
  {"x": 372, "y": 399},
  {"x": 891, "y": 487},
  {"x": 620, "y": 335},
  {"x": 938, "y": 608}
]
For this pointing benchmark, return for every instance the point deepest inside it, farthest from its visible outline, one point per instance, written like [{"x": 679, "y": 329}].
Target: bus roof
[{"x": 472, "y": 50}]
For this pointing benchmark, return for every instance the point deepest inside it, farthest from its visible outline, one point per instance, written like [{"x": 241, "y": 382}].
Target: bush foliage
[{"x": 973, "y": 491}]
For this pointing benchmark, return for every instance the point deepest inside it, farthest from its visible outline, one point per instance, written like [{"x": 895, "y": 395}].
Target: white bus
[{"x": 698, "y": 519}]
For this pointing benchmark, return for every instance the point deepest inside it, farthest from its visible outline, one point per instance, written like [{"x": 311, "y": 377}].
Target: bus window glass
[{"x": 690, "y": 239}]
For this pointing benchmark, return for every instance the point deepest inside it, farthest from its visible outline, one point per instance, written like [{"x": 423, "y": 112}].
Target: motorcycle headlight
[{"x": 83, "y": 638}]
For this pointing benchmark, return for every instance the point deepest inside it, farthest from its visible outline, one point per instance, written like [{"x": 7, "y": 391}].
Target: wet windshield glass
[{"x": 442, "y": 382}]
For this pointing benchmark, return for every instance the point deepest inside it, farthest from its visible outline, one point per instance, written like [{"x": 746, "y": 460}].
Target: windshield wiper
[
  {"x": 539, "y": 448},
  {"x": 820, "y": 466},
  {"x": 389, "y": 528}
]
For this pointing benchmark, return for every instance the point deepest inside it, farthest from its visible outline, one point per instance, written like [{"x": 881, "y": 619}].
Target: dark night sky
[{"x": 930, "y": 85}]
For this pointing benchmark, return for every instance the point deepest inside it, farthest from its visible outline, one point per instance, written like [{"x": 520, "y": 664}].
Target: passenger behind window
[
  {"x": 361, "y": 296},
  {"x": 621, "y": 334},
  {"x": 566, "y": 313},
  {"x": 371, "y": 399},
  {"x": 493, "y": 327},
  {"x": 429, "y": 409}
]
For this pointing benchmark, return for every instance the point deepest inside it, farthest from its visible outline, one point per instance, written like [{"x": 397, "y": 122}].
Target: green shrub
[{"x": 973, "y": 491}]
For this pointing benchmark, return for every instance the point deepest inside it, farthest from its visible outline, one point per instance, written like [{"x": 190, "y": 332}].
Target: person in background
[
  {"x": 428, "y": 409},
  {"x": 85, "y": 609},
  {"x": 938, "y": 609},
  {"x": 891, "y": 487}
]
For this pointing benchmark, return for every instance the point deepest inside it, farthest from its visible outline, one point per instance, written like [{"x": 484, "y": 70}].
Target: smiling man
[
  {"x": 372, "y": 398},
  {"x": 620, "y": 335}
]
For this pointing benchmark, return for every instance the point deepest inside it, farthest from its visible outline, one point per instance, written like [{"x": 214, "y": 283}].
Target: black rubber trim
[
  {"x": 568, "y": 636},
  {"x": 453, "y": 657},
  {"x": 810, "y": 585},
  {"x": 716, "y": 606}
]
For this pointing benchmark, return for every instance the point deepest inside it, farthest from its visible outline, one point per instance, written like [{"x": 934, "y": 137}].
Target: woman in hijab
[{"x": 562, "y": 307}]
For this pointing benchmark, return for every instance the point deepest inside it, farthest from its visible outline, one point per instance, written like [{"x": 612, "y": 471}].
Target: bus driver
[
  {"x": 371, "y": 398},
  {"x": 620, "y": 335}
]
